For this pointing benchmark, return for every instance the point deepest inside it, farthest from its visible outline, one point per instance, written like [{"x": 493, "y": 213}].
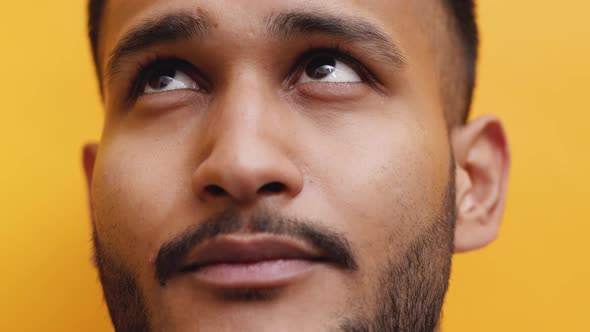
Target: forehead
[{"x": 400, "y": 19}]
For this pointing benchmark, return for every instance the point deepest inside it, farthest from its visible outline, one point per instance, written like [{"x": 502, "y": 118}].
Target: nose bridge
[
  {"x": 242, "y": 108},
  {"x": 244, "y": 127},
  {"x": 247, "y": 156}
]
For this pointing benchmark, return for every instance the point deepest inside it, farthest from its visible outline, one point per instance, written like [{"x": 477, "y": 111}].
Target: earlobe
[
  {"x": 89, "y": 153},
  {"x": 482, "y": 162},
  {"x": 88, "y": 159}
]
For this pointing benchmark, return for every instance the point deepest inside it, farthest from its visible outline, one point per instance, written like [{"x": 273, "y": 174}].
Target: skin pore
[{"x": 326, "y": 125}]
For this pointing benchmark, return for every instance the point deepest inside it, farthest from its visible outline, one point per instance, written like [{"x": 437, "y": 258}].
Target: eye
[
  {"x": 168, "y": 78},
  {"x": 329, "y": 69}
]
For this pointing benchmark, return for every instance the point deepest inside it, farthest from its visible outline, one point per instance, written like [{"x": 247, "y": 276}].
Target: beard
[
  {"x": 122, "y": 293},
  {"x": 409, "y": 292},
  {"x": 412, "y": 287}
]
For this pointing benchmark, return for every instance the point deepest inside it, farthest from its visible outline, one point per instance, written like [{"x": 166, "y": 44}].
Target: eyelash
[
  {"x": 151, "y": 65},
  {"x": 154, "y": 62},
  {"x": 338, "y": 53}
]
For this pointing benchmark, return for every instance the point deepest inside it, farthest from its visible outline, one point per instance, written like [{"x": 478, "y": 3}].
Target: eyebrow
[
  {"x": 350, "y": 28},
  {"x": 284, "y": 26},
  {"x": 168, "y": 28}
]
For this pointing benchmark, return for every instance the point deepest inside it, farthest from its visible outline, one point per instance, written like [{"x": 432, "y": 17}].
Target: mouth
[{"x": 261, "y": 261}]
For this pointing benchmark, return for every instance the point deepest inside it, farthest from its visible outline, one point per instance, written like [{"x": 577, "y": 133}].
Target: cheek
[
  {"x": 386, "y": 177},
  {"x": 137, "y": 191}
]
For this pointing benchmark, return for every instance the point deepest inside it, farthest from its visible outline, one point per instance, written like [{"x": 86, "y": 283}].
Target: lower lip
[{"x": 264, "y": 274}]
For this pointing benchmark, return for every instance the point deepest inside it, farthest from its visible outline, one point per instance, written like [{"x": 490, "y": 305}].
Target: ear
[
  {"x": 482, "y": 160},
  {"x": 89, "y": 152}
]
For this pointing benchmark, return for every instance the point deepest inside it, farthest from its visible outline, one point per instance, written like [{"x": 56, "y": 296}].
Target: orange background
[{"x": 534, "y": 74}]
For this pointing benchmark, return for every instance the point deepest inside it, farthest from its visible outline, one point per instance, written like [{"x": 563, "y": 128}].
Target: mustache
[{"x": 333, "y": 245}]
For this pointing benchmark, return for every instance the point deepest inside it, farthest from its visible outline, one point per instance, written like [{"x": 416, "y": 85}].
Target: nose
[{"x": 248, "y": 155}]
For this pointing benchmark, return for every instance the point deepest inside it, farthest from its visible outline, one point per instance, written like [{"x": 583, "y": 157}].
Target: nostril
[
  {"x": 272, "y": 188},
  {"x": 215, "y": 190}
]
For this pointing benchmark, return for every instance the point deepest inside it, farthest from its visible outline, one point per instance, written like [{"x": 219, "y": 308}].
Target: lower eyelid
[
  {"x": 170, "y": 100},
  {"x": 333, "y": 91}
]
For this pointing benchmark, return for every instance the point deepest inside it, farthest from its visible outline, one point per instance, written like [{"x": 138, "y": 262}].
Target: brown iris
[
  {"x": 162, "y": 78},
  {"x": 320, "y": 67}
]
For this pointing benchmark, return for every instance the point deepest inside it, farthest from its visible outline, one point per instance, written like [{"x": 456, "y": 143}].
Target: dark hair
[
  {"x": 462, "y": 12},
  {"x": 95, "y": 11}
]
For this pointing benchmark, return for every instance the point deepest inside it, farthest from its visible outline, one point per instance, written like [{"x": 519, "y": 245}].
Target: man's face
[{"x": 272, "y": 166}]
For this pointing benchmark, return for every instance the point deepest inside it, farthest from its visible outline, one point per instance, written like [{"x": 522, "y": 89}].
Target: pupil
[
  {"x": 162, "y": 78},
  {"x": 321, "y": 67}
]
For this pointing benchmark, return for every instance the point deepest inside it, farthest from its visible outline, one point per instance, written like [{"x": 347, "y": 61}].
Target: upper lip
[{"x": 248, "y": 249}]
